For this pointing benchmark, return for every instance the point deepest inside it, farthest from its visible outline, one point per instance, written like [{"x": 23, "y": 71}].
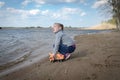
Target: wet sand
[{"x": 97, "y": 57}]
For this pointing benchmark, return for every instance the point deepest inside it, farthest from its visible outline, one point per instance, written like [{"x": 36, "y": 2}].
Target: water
[{"x": 17, "y": 44}]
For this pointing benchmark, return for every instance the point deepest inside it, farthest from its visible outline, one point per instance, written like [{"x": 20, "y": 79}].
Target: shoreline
[
  {"x": 9, "y": 67},
  {"x": 98, "y": 55},
  {"x": 14, "y": 66}
]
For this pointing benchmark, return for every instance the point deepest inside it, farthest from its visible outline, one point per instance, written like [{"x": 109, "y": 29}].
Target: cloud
[
  {"x": 40, "y": 1},
  {"x": 99, "y": 3},
  {"x": 26, "y": 2},
  {"x": 82, "y": 1},
  {"x": 66, "y": 12},
  {"x": 23, "y": 13},
  {"x": 27, "y": 13},
  {"x": 68, "y": 1},
  {"x": 45, "y": 12},
  {"x": 83, "y": 14},
  {"x": 34, "y": 11},
  {"x": 63, "y": 13},
  {"x": 2, "y": 4}
]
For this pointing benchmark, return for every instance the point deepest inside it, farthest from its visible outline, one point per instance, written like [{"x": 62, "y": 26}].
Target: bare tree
[
  {"x": 115, "y": 4},
  {"x": 112, "y": 8}
]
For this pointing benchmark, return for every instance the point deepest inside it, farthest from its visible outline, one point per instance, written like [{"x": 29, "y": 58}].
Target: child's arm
[{"x": 57, "y": 43}]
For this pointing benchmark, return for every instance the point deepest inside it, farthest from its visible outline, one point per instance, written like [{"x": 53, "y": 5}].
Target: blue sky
[{"x": 75, "y": 13}]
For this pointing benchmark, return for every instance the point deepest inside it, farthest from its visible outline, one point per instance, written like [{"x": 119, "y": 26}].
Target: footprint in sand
[
  {"x": 113, "y": 61},
  {"x": 92, "y": 77}
]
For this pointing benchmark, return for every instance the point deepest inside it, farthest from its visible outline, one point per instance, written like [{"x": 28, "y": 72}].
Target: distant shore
[
  {"x": 96, "y": 58},
  {"x": 101, "y": 26}
]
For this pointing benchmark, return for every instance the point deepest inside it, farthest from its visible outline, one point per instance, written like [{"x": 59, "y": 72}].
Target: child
[{"x": 63, "y": 44}]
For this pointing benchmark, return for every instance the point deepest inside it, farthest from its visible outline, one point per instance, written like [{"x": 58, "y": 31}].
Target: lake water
[{"x": 18, "y": 44}]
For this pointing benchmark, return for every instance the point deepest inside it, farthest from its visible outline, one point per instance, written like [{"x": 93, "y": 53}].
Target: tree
[
  {"x": 112, "y": 7},
  {"x": 111, "y": 21},
  {"x": 115, "y": 4}
]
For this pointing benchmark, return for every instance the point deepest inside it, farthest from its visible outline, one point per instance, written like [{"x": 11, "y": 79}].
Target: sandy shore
[{"x": 97, "y": 57}]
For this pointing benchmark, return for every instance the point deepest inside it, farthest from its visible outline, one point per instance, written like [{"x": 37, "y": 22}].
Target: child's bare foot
[{"x": 67, "y": 56}]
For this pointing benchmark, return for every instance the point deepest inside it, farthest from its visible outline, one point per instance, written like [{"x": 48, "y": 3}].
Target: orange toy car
[{"x": 57, "y": 57}]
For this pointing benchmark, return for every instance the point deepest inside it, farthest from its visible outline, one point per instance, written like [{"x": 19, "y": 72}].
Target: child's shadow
[{"x": 79, "y": 54}]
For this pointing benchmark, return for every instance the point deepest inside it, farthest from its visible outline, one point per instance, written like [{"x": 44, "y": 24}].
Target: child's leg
[
  {"x": 66, "y": 51},
  {"x": 63, "y": 49},
  {"x": 70, "y": 50}
]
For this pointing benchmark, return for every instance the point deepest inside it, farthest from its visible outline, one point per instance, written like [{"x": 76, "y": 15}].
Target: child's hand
[{"x": 51, "y": 57}]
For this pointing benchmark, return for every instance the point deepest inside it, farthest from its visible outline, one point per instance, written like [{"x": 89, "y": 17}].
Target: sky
[{"x": 44, "y": 13}]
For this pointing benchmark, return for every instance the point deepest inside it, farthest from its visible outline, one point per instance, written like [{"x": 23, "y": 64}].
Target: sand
[
  {"x": 103, "y": 26},
  {"x": 97, "y": 57}
]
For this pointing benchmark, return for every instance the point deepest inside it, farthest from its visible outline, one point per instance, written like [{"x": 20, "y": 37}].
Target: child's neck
[{"x": 58, "y": 31}]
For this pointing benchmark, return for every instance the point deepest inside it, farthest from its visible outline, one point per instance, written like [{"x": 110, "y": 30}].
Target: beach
[
  {"x": 21, "y": 47},
  {"x": 97, "y": 57}
]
